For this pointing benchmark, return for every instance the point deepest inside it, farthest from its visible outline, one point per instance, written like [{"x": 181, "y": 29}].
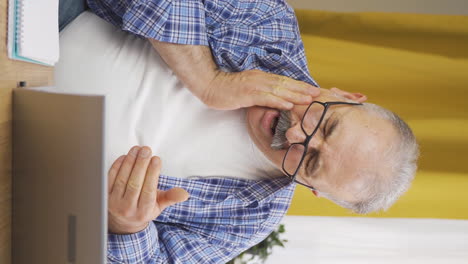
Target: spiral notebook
[{"x": 33, "y": 33}]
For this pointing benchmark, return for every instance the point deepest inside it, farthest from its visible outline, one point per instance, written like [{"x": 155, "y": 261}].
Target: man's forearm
[
  {"x": 196, "y": 68},
  {"x": 193, "y": 64}
]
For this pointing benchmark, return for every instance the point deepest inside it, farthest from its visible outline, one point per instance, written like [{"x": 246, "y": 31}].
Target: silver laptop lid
[{"x": 59, "y": 182}]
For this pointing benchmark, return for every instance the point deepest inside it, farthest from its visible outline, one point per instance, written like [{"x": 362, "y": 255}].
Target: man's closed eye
[
  {"x": 313, "y": 155},
  {"x": 312, "y": 161},
  {"x": 330, "y": 126}
]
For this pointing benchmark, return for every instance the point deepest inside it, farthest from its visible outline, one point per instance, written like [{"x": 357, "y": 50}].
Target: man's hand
[
  {"x": 134, "y": 200},
  {"x": 228, "y": 91},
  {"x": 195, "y": 67}
]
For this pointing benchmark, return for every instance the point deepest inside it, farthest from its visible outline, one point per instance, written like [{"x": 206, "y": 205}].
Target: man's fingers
[
  {"x": 171, "y": 197},
  {"x": 113, "y": 171},
  {"x": 295, "y": 98},
  {"x": 296, "y": 86},
  {"x": 303, "y": 88},
  {"x": 269, "y": 100},
  {"x": 121, "y": 180},
  {"x": 137, "y": 177},
  {"x": 150, "y": 186}
]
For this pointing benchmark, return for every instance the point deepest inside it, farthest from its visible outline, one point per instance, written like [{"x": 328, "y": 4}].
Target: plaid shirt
[
  {"x": 222, "y": 218},
  {"x": 242, "y": 34}
]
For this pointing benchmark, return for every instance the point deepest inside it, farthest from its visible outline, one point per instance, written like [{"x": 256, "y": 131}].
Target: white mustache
[{"x": 279, "y": 137}]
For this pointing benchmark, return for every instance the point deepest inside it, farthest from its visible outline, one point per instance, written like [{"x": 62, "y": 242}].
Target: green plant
[{"x": 263, "y": 249}]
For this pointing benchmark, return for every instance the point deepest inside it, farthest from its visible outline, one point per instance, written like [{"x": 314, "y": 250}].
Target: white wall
[
  {"x": 359, "y": 240},
  {"x": 454, "y": 7}
]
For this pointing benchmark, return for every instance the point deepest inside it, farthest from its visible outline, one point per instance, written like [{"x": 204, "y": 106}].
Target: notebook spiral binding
[{"x": 19, "y": 26}]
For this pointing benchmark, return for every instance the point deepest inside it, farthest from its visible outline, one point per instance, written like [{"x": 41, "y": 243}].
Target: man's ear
[{"x": 358, "y": 97}]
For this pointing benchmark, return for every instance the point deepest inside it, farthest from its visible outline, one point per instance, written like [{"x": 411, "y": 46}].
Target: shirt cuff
[{"x": 133, "y": 248}]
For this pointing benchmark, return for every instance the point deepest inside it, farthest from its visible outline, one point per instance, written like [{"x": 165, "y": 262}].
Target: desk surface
[{"x": 11, "y": 72}]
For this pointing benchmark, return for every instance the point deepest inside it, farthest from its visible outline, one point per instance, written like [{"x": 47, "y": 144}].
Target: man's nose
[{"x": 295, "y": 134}]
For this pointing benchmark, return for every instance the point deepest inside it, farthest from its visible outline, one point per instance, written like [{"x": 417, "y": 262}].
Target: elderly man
[{"x": 356, "y": 154}]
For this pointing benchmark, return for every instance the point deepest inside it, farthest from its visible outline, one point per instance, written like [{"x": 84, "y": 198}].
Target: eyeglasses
[{"x": 310, "y": 123}]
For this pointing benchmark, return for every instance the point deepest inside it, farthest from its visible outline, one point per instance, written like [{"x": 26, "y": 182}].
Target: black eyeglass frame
[{"x": 305, "y": 144}]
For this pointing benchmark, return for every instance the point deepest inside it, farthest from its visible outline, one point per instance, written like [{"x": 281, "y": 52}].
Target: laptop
[{"x": 59, "y": 178}]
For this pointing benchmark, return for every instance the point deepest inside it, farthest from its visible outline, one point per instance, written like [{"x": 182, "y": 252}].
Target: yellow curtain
[{"x": 415, "y": 65}]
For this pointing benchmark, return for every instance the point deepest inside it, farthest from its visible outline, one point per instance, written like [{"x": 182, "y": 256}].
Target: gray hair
[{"x": 381, "y": 191}]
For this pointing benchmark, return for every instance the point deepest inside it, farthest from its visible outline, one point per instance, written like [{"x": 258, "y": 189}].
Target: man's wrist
[
  {"x": 121, "y": 229},
  {"x": 201, "y": 85},
  {"x": 205, "y": 89}
]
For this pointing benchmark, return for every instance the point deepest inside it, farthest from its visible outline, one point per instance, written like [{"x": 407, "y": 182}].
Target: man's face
[{"x": 352, "y": 142}]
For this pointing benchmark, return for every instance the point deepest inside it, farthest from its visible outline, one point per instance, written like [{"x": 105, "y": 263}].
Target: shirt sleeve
[
  {"x": 133, "y": 248},
  {"x": 260, "y": 34},
  {"x": 174, "y": 21},
  {"x": 166, "y": 243}
]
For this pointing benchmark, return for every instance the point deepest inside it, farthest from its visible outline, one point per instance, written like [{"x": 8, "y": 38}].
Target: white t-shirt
[{"x": 146, "y": 104}]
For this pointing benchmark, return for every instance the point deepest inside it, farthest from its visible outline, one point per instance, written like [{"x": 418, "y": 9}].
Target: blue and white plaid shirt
[{"x": 222, "y": 218}]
